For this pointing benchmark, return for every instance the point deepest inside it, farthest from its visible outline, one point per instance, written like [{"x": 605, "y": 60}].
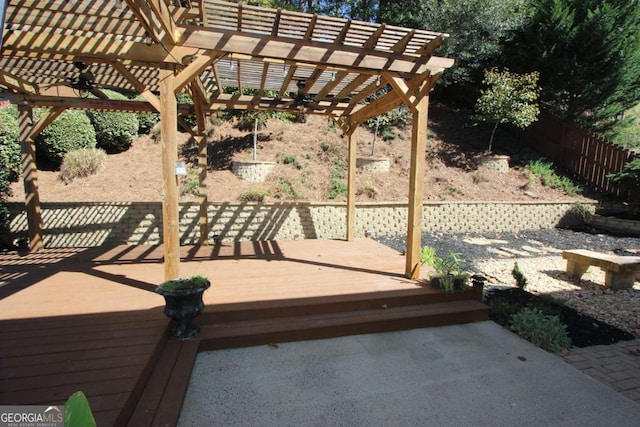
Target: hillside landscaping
[{"x": 311, "y": 166}]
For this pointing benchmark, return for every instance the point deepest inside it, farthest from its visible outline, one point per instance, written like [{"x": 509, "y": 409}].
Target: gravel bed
[{"x": 539, "y": 256}]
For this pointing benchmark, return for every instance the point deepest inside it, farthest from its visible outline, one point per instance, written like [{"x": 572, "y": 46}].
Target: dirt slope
[{"x": 316, "y": 152}]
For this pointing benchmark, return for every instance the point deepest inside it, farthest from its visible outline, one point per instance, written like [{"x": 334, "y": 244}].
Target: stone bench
[{"x": 620, "y": 271}]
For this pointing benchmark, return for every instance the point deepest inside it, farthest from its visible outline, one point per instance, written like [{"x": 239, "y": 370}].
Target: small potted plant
[
  {"x": 183, "y": 302},
  {"x": 449, "y": 274}
]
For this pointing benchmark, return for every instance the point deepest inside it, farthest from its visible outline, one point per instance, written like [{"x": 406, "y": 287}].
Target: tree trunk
[{"x": 493, "y": 132}]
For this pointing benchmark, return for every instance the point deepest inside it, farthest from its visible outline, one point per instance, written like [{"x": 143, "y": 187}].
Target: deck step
[
  {"x": 273, "y": 322},
  {"x": 326, "y": 325},
  {"x": 329, "y": 304},
  {"x": 158, "y": 405}
]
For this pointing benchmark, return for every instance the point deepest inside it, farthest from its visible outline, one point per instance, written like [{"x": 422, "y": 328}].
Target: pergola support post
[
  {"x": 351, "y": 185},
  {"x": 30, "y": 178},
  {"x": 418, "y": 148},
  {"x": 168, "y": 138},
  {"x": 201, "y": 138}
]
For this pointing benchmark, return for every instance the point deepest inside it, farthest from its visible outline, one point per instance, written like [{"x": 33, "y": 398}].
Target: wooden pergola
[{"x": 55, "y": 52}]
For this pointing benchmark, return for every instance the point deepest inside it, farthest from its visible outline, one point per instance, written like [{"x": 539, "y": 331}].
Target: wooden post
[
  {"x": 414, "y": 226},
  {"x": 168, "y": 143},
  {"x": 201, "y": 138},
  {"x": 30, "y": 178},
  {"x": 351, "y": 185}
]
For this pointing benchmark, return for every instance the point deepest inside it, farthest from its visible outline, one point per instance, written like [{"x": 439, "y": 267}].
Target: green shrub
[
  {"x": 288, "y": 159},
  {"x": 71, "y": 131},
  {"x": 542, "y": 330},
  {"x": 517, "y": 274},
  {"x": 191, "y": 183},
  {"x": 9, "y": 143},
  {"x": 253, "y": 196},
  {"x": 191, "y": 186},
  {"x": 184, "y": 98},
  {"x": 6, "y": 241},
  {"x": 197, "y": 281},
  {"x": 81, "y": 163},
  {"x": 336, "y": 188},
  {"x": 146, "y": 121},
  {"x": 9, "y": 166},
  {"x": 285, "y": 190},
  {"x": 629, "y": 178},
  {"x": 114, "y": 131},
  {"x": 543, "y": 171}
]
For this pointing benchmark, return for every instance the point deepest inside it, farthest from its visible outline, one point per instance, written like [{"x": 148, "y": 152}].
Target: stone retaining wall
[{"x": 92, "y": 224}]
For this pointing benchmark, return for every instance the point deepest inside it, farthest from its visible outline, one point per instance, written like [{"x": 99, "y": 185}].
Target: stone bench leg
[
  {"x": 619, "y": 280},
  {"x": 575, "y": 269}
]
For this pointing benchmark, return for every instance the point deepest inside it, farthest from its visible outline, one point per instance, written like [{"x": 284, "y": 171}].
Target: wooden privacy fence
[{"x": 582, "y": 154}]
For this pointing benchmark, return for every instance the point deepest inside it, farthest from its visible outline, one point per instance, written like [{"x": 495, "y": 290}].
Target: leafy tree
[
  {"x": 297, "y": 5},
  {"x": 363, "y": 10},
  {"x": 588, "y": 56},
  {"x": 510, "y": 98},
  {"x": 478, "y": 31}
]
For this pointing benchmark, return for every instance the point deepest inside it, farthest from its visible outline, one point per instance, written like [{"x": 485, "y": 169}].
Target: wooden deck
[{"x": 88, "y": 319}]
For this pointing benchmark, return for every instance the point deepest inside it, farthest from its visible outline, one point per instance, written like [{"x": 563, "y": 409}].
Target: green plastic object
[{"x": 77, "y": 412}]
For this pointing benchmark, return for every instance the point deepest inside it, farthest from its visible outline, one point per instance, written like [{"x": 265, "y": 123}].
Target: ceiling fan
[
  {"x": 84, "y": 81},
  {"x": 305, "y": 100}
]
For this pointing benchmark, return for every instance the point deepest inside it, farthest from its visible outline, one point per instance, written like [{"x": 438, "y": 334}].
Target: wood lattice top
[{"x": 266, "y": 54}]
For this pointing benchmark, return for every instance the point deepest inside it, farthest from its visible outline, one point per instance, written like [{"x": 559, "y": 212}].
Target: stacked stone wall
[{"x": 93, "y": 224}]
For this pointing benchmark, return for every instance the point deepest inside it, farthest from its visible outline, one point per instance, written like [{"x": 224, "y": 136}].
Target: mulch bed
[{"x": 583, "y": 330}]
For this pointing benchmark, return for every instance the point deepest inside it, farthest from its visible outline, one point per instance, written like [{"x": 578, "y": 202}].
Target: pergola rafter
[{"x": 204, "y": 47}]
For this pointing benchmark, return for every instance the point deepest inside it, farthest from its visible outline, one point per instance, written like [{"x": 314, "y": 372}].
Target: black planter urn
[{"x": 182, "y": 304}]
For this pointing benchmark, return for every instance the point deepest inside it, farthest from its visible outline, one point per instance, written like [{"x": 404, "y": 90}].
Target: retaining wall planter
[
  {"x": 493, "y": 162},
  {"x": 252, "y": 171},
  {"x": 373, "y": 164}
]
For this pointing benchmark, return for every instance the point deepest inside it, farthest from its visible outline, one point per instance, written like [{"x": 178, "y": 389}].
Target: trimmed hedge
[
  {"x": 71, "y": 131},
  {"x": 9, "y": 143},
  {"x": 9, "y": 166},
  {"x": 114, "y": 131},
  {"x": 146, "y": 121}
]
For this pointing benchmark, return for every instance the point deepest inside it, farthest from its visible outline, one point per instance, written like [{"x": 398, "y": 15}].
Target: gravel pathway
[{"x": 539, "y": 255}]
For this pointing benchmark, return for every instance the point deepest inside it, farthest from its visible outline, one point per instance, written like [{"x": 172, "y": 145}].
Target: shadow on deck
[{"x": 88, "y": 319}]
